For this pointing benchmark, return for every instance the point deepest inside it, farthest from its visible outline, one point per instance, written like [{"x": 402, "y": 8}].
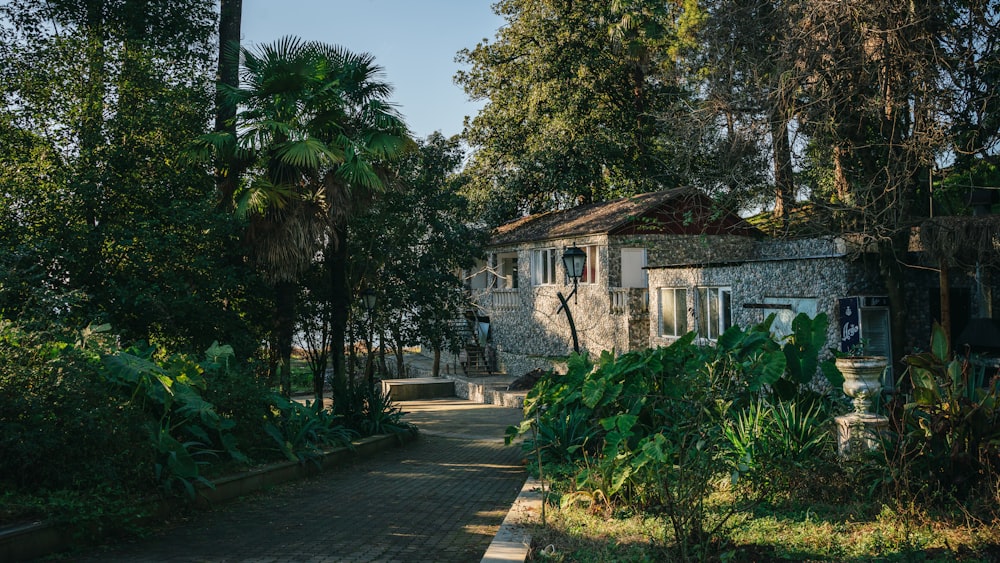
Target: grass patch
[
  {"x": 301, "y": 375},
  {"x": 847, "y": 533}
]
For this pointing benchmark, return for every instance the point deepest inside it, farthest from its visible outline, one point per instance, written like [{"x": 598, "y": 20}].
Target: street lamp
[
  {"x": 574, "y": 260},
  {"x": 369, "y": 300}
]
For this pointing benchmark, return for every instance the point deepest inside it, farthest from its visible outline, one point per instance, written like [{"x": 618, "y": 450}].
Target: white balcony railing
[
  {"x": 633, "y": 301},
  {"x": 505, "y": 299}
]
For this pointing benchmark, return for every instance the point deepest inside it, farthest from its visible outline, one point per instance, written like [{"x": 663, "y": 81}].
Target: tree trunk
[
  {"x": 383, "y": 368},
  {"x": 945, "y": 293},
  {"x": 230, "y": 19},
  {"x": 284, "y": 321},
  {"x": 784, "y": 182},
  {"x": 842, "y": 187},
  {"x": 436, "y": 370},
  {"x": 892, "y": 276},
  {"x": 340, "y": 302},
  {"x": 397, "y": 341}
]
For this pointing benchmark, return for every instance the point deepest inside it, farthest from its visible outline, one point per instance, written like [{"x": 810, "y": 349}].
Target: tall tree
[
  {"x": 230, "y": 18},
  {"x": 312, "y": 122},
  {"x": 411, "y": 242},
  {"x": 879, "y": 92},
  {"x": 112, "y": 88},
  {"x": 574, "y": 110}
]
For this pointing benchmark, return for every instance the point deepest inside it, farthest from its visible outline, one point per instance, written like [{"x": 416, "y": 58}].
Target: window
[
  {"x": 673, "y": 311},
  {"x": 715, "y": 312},
  {"x": 589, "y": 267},
  {"x": 543, "y": 266},
  {"x": 508, "y": 271}
]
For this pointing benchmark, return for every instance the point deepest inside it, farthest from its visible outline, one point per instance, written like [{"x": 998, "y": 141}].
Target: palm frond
[{"x": 309, "y": 153}]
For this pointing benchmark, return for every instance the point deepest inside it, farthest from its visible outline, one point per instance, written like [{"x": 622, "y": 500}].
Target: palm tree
[
  {"x": 312, "y": 123},
  {"x": 371, "y": 134}
]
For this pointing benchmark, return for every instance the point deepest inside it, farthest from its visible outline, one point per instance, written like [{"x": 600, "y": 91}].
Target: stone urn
[{"x": 862, "y": 379}]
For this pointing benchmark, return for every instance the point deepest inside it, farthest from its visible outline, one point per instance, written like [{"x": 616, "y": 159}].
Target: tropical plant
[
  {"x": 950, "y": 430},
  {"x": 184, "y": 429},
  {"x": 370, "y": 411},
  {"x": 660, "y": 429},
  {"x": 311, "y": 126},
  {"x": 302, "y": 431}
]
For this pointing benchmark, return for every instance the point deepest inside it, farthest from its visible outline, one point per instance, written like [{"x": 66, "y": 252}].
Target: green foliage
[
  {"x": 302, "y": 432},
  {"x": 59, "y": 426},
  {"x": 183, "y": 427},
  {"x": 577, "y": 106},
  {"x": 100, "y": 216},
  {"x": 659, "y": 430},
  {"x": 950, "y": 431},
  {"x": 369, "y": 411},
  {"x": 424, "y": 226},
  {"x": 781, "y": 449}
]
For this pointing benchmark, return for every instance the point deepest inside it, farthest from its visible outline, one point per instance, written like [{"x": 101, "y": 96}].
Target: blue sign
[{"x": 850, "y": 323}]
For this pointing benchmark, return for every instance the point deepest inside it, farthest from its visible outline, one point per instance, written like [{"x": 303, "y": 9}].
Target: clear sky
[{"x": 414, "y": 41}]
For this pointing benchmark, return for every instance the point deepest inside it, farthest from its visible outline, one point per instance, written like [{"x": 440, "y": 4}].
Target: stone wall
[
  {"x": 528, "y": 327},
  {"x": 786, "y": 273}
]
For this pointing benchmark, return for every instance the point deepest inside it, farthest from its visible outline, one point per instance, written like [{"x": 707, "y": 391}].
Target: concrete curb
[
  {"x": 29, "y": 541},
  {"x": 488, "y": 392},
  {"x": 512, "y": 542}
]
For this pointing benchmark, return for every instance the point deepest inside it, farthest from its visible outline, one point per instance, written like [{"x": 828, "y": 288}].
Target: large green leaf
[
  {"x": 593, "y": 390},
  {"x": 939, "y": 343}
]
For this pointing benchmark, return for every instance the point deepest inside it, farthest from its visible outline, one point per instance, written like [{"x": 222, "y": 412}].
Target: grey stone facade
[
  {"x": 530, "y": 332},
  {"x": 807, "y": 275}
]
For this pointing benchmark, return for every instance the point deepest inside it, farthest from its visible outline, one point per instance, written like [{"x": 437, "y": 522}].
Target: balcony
[
  {"x": 505, "y": 299},
  {"x": 633, "y": 301}
]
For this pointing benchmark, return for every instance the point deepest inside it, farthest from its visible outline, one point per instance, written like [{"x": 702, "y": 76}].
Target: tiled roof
[{"x": 676, "y": 210}]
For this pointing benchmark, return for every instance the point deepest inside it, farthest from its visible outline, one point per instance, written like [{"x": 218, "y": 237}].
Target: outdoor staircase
[{"x": 476, "y": 363}]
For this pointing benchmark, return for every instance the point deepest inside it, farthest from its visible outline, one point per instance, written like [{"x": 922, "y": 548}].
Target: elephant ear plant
[
  {"x": 652, "y": 429},
  {"x": 183, "y": 428},
  {"x": 950, "y": 430}
]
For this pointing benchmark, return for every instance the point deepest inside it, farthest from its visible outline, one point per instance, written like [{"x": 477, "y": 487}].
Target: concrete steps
[
  {"x": 418, "y": 388},
  {"x": 486, "y": 389}
]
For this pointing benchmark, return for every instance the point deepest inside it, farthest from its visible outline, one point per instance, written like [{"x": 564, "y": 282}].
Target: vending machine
[{"x": 865, "y": 324}]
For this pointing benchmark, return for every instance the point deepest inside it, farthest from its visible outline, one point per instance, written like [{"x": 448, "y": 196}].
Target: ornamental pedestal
[
  {"x": 858, "y": 433},
  {"x": 861, "y": 430}
]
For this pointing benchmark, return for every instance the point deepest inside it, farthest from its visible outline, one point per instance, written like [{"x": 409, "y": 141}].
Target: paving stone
[{"x": 441, "y": 498}]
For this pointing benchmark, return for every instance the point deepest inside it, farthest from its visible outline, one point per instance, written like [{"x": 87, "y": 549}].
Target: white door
[{"x": 633, "y": 262}]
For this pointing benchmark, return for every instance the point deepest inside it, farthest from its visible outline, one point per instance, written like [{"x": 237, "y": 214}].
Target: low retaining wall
[
  {"x": 490, "y": 393},
  {"x": 29, "y": 541},
  {"x": 417, "y": 388}
]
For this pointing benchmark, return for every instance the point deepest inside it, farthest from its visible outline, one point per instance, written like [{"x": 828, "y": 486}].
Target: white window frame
[
  {"x": 711, "y": 324},
  {"x": 678, "y": 299},
  {"x": 543, "y": 266}
]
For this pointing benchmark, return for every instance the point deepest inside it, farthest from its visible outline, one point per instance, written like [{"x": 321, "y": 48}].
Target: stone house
[
  {"x": 779, "y": 277},
  {"x": 516, "y": 289},
  {"x": 665, "y": 263}
]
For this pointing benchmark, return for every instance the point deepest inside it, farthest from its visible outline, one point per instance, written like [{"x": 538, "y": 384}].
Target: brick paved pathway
[{"x": 441, "y": 499}]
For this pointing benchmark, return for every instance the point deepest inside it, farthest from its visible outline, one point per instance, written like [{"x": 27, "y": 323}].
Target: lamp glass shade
[
  {"x": 574, "y": 260},
  {"x": 368, "y": 298}
]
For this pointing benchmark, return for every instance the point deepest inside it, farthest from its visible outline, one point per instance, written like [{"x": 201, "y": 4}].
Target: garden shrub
[
  {"x": 184, "y": 429},
  {"x": 368, "y": 411},
  {"x": 302, "y": 432},
  {"x": 657, "y": 430},
  {"x": 946, "y": 434},
  {"x": 59, "y": 428}
]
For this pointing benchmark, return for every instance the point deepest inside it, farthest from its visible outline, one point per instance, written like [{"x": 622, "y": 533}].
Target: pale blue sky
[{"x": 415, "y": 42}]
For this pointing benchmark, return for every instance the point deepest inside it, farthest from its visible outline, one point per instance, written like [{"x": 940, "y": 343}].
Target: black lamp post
[
  {"x": 369, "y": 300},
  {"x": 574, "y": 260}
]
